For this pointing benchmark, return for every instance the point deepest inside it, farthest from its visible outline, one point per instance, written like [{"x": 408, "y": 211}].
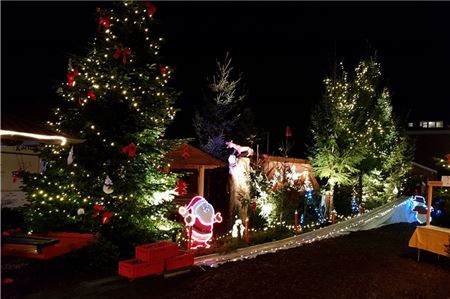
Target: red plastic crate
[
  {"x": 135, "y": 268},
  {"x": 158, "y": 251},
  {"x": 182, "y": 260}
]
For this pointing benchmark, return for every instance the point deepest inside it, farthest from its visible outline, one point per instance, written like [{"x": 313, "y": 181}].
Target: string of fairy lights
[
  {"x": 182, "y": 238},
  {"x": 341, "y": 228}
]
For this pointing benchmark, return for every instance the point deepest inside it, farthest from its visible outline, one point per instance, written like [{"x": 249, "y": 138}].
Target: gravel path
[{"x": 370, "y": 264}]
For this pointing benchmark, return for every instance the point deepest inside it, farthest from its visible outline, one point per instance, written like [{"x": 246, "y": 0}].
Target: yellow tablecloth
[{"x": 431, "y": 238}]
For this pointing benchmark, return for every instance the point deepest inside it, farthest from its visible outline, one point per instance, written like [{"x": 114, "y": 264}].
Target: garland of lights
[{"x": 339, "y": 229}]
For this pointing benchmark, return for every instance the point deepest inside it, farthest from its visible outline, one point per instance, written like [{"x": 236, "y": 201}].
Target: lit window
[
  {"x": 423, "y": 124},
  {"x": 410, "y": 125},
  {"x": 439, "y": 124},
  {"x": 431, "y": 124}
]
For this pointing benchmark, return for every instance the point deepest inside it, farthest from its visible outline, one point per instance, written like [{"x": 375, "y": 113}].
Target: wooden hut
[{"x": 196, "y": 165}]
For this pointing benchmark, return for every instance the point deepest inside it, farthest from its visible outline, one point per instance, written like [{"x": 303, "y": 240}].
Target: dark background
[{"x": 283, "y": 49}]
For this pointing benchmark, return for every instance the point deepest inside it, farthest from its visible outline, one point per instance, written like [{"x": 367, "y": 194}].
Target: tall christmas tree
[
  {"x": 117, "y": 100},
  {"x": 356, "y": 142},
  {"x": 334, "y": 151},
  {"x": 388, "y": 156}
]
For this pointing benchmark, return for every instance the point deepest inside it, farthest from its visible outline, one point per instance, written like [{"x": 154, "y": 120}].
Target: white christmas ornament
[
  {"x": 108, "y": 186},
  {"x": 70, "y": 157},
  {"x": 80, "y": 211},
  {"x": 395, "y": 190}
]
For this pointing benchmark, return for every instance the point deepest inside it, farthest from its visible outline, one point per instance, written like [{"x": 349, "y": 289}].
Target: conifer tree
[
  {"x": 117, "y": 100},
  {"x": 387, "y": 160},
  {"x": 223, "y": 115},
  {"x": 355, "y": 138},
  {"x": 334, "y": 152}
]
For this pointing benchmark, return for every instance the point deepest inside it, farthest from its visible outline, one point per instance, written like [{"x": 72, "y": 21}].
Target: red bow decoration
[
  {"x": 181, "y": 187},
  {"x": 71, "y": 77},
  {"x": 185, "y": 155},
  {"x": 103, "y": 21},
  {"x": 106, "y": 216},
  {"x": 288, "y": 132},
  {"x": 163, "y": 70},
  {"x": 97, "y": 209},
  {"x": 151, "y": 9},
  {"x": 91, "y": 95},
  {"x": 124, "y": 53},
  {"x": 129, "y": 150}
]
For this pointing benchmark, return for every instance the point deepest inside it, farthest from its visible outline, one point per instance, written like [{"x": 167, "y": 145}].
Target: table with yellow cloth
[{"x": 431, "y": 238}]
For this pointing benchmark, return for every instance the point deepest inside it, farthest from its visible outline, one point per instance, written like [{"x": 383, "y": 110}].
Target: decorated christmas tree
[
  {"x": 387, "y": 161},
  {"x": 356, "y": 142},
  {"x": 334, "y": 151},
  {"x": 117, "y": 100}
]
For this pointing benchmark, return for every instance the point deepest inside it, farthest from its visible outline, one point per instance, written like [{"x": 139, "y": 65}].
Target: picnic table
[{"x": 431, "y": 238}]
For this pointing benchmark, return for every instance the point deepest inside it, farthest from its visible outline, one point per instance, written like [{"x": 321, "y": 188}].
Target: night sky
[{"x": 283, "y": 49}]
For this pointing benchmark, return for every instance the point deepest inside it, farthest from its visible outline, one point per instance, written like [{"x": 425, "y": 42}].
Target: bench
[{"x": 44, "y": 247}]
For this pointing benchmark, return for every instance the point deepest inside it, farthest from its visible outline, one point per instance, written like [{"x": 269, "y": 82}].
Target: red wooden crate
[
  {"x": 135, "y": 268},
  {"x": 158, "y": 251},
  {"x": 182, "y": 260}
]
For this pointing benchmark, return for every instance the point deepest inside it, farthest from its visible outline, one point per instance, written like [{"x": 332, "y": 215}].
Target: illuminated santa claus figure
[{"x": 199, "y": 215}]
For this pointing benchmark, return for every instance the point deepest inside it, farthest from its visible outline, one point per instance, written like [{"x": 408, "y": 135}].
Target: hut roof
[{"x": 193, "y": 159}]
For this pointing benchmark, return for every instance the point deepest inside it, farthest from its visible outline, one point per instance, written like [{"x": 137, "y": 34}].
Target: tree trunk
[{"x": 360, "y": 187}]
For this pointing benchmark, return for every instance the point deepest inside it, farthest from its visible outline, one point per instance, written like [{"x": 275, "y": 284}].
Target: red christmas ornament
[
  {"x": 185, "y": 155},
  {"x": 181, "y": 187},
  {"x": 124, "y": 54},
  {"x": 163, "y": 70},
  {"x": 71, "y": 78},
  {"x": 91, "y": 95},
  {"x": 103, "y": 21},
  {"x": 275, "y": 187},
  {"x": 98, "y": 9},
  {"x": 253, "y": 206},
  {"x": 151, "y": 9},
  {"x": 129, "y": 150},
  {"x": 288, "y": 132}
]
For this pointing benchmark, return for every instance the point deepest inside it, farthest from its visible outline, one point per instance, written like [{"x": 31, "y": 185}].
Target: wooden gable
[{"x": 187, "y": 156}]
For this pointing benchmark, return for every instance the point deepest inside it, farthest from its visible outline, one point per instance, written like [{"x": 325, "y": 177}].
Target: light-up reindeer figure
[
  {"x": 241, "y": 151},
  {"x": 239, "y": 166}
]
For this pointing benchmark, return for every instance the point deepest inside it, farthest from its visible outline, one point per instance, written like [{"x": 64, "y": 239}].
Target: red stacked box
[
  {"x": 153, "y": 258},
  {"x": 135, "y": 268},
  {"x": 158, "y": 251},
  {"x": 182, "y": 260}
]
